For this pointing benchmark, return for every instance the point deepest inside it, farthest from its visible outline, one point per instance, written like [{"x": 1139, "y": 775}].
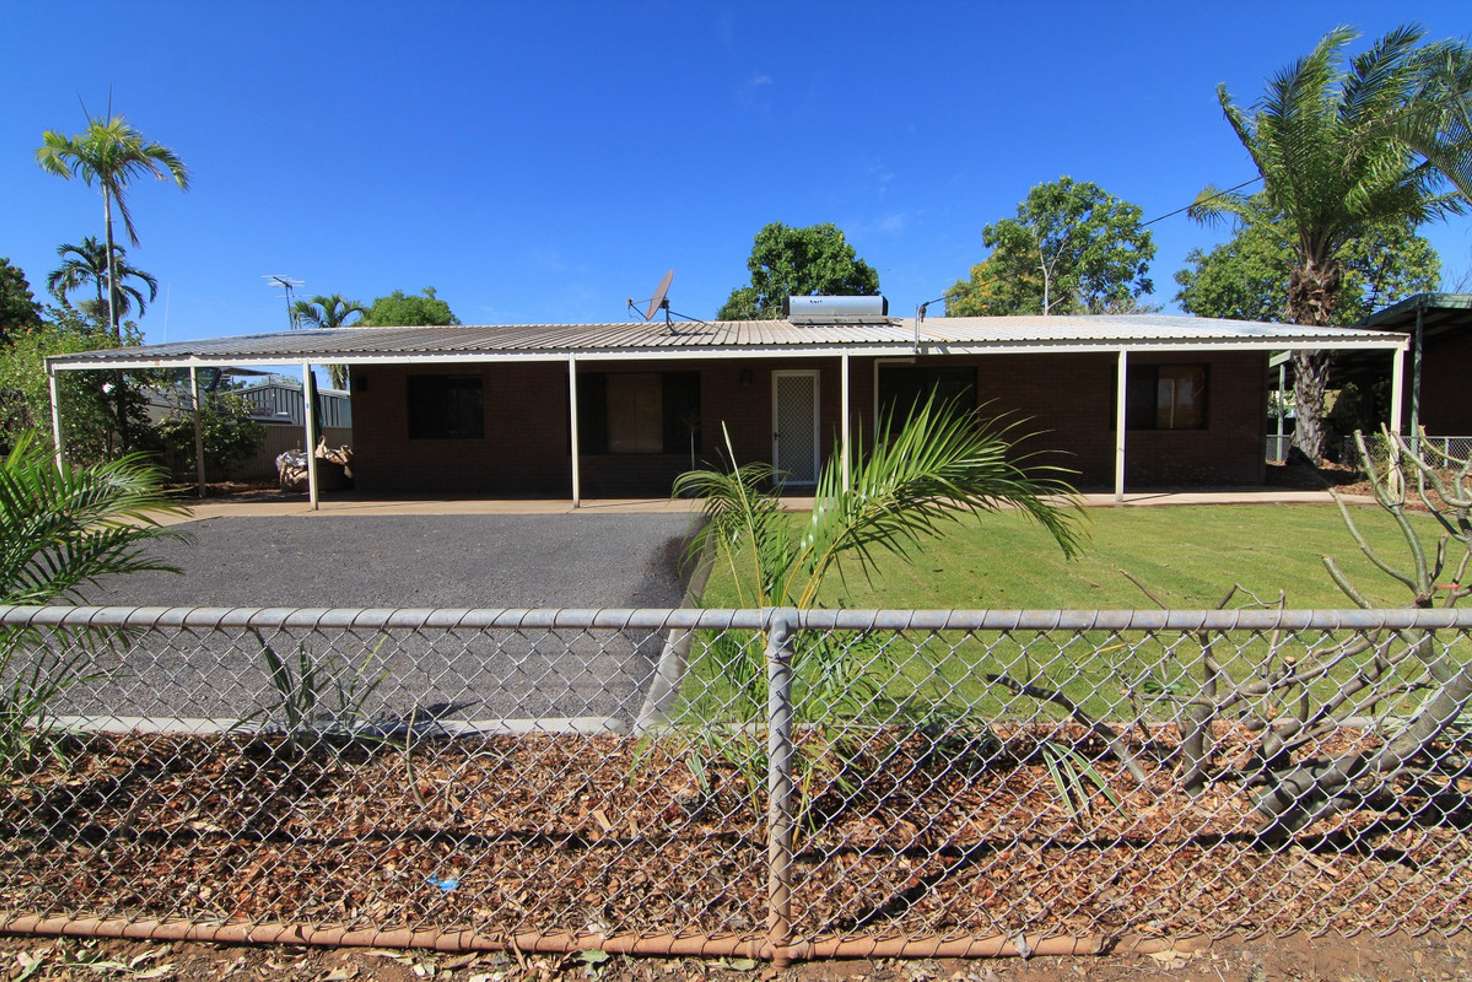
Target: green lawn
[{"x": 1191, "y": 555}]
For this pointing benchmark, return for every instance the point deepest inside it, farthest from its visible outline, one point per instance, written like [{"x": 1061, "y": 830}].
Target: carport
[{"x": 1086, "y": 378}]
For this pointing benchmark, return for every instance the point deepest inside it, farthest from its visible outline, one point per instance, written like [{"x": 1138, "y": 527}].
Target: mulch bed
[
  {"x": 600, "y": 834},
  {"x": 1341, "y": 478}
]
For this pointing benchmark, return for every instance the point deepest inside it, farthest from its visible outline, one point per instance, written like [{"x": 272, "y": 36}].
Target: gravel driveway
[{"x": 404, "y": 561}]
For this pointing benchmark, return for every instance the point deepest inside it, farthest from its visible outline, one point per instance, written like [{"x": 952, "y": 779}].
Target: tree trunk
[
  {"x": 1310, "y": 385},
  {"x": 1313, "y": 288},
  {"x": 120, "y": 407},
  {"x": 1321, "y": 788}
]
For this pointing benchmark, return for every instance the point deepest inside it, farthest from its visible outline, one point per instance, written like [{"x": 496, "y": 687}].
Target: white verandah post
[
  {"x": 1397, "y": 385},
  {"x": 198, "y": 429},
  {"x": 572, "y": 425},
  {"x": 1278, "y": 453},
  {"x": 1119, "y": 418},
  {"x": 847, "y": 450},
  {"x": 308, "y": 388},
  {"x": 56, "y": 439}
]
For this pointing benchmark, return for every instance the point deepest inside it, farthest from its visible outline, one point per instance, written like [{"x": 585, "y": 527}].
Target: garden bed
[{"x": 567, "y": 833}]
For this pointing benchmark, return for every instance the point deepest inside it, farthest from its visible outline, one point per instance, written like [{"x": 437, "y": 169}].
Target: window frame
[
  {"x": 449, "y": 381},
  {"x": 882, "y": 363},
  {"x": 674, "y": 437},
  {"x": 1132, "y": 405}
]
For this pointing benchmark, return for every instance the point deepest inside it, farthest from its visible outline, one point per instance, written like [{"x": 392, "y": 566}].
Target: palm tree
[
  {"x": 62, "y": 528},
  {"x": 330, "y": 311},
  {"x": 87, "y": 264},
  {"x": 110, "y": 154},
  {"x": 942, "y": 466},
  {"x": 1342, "y": 144}
]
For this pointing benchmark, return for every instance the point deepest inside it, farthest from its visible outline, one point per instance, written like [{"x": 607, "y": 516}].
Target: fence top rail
[{"x": 426, "y": 618}]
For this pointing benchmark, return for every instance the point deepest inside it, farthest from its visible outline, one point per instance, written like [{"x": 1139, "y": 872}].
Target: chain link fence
[
  {"x": 1443, "y": 448},
  {"x": 758, "y": 783}
]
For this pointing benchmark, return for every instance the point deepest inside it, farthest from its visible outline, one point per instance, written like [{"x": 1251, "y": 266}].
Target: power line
[{"x": 1210, "y": 197}]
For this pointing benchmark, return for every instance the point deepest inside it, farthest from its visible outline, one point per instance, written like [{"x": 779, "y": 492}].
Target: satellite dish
[{"x": 661, "y": 298}]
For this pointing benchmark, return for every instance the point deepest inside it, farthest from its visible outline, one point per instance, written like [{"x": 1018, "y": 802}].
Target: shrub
[{"x": 230, "y": 434}]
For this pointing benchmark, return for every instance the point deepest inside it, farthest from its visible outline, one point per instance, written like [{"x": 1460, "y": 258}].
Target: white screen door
[{"x": 795, "y": 425}]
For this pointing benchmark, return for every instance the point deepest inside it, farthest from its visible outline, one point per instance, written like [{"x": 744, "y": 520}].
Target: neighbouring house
[
  {"x": 277, "y": 404},
  {"x": 1131, "y": 401},
  {"x": 279, "y": 400},
  {"x": 1439, "y": 328}
]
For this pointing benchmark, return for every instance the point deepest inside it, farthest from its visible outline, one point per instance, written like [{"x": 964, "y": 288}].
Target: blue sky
[{"x": 541, "y": 162}]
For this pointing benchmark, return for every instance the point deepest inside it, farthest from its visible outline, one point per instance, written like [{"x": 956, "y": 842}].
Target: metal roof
[
  {"x": 936, "y": 335},
  {"x": 1440, "y": 312}
]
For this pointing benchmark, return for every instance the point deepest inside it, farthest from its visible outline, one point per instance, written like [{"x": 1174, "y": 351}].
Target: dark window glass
[
  {"x": 1166, "y": 397},
  {"x": 638, "y": 412},
  {"x": 446, "y": 407},
  {"x": 903, "y": 387}
]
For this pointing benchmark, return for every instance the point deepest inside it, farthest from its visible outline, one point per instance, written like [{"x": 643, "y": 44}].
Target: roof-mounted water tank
[{"x": 835, "y": 310}]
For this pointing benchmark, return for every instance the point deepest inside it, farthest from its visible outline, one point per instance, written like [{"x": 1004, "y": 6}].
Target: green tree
[
  {"x": 400, "y": 309},
  {"x": 327, "y": 312},
  {"x": 1246, "y": 277},
  {"x": 791, "y": 261},
  {"x": 18, "y": 307},
  {"x": 230, "y": 433},
  {"x": 1342, "y": 147},
  {"x": 89, "y": 412},
  {"x": 87, "y": 265},
  {"x": 1073, "y": 248}
]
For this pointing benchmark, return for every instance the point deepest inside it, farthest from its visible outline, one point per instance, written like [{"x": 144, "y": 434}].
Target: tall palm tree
[
  {"x": 1342, "y": 144},
  {"x": 330, "y": 311},
  {"x": 86, "y": 264},
  {"x": 110, "y": 153}
]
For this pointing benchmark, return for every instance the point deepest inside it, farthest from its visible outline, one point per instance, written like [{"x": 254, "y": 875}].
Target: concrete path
[{"x": 349, "y": 507}]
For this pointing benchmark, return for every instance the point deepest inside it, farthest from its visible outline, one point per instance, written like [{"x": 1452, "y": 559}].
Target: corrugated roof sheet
[{"x": 899, "y": 334}]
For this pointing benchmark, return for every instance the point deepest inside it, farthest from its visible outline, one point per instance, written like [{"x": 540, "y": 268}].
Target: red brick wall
[
  {"x": 1445, "y": 409},
  {"x": 525, "y": 448},
  {"x": 523, "y": 452},
  {"x": 1070, "y": 398}
]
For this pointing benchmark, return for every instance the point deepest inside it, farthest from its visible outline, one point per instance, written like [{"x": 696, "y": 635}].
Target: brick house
[
  {"x": 1439, "y": 329},
  {"x": 1126, "y": 400}
]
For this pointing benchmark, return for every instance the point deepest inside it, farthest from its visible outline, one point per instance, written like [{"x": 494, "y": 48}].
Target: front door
[{"x": 795, "y": 426}]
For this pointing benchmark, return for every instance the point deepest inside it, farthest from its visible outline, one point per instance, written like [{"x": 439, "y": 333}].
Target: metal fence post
[{"x": 780, "y": 637}]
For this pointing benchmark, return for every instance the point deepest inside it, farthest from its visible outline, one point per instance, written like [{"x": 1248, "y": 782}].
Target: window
[
  {"x": 639, "y": 412},
  {"x": 902, "y": 387},
  {"x": 1166, "y": 397},
  {"x": 446, "y": 407}
]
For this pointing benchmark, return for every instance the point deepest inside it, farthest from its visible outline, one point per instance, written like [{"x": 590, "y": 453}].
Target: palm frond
[
  {"x": 941, "y": 466},
  {"x": 64, "y": 528}
]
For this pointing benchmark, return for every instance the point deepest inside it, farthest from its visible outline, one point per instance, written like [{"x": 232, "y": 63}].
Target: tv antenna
[
  {"x": 661, "y": 301},
  {"x": 288, "y": 285}
]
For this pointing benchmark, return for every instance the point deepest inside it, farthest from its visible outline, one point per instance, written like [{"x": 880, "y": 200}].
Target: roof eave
[{"x": 1337, "y": 341}]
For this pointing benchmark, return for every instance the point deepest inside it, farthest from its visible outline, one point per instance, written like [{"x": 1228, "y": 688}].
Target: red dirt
[{"x": 551, "y": 833}]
